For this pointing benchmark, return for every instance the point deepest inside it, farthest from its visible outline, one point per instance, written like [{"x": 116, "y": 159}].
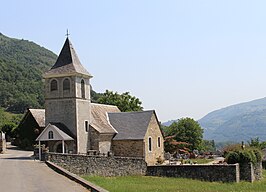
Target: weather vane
[{"x": 67, "y": 34}]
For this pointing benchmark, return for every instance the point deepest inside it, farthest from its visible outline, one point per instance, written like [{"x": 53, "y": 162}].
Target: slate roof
[
  {"x": 62, "y": 127},
  {"x": 99, "y": 120},
  {"x": 39, "y": 116},
  {"x": 67, "y": 63},
  {"x": 130, "y": 125}
]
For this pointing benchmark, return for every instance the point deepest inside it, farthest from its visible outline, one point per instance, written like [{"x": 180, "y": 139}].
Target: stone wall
[
  {"x": 122, "y": 166},
  {"x": 250, "y": 172},
  {"x": 133, "y": 148},
  {"x": 223, "y": 173},
  {"x": 258, "y": 171},
  {"x": 99, "y": 165},
  {"x": 247, "y": 172},
  {"x": 2, "y": 145}
]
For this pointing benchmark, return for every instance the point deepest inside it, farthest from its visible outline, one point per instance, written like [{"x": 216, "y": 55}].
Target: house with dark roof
[
  {"x": 75, "y": 125},
  {"x": 31, "y": 125}
]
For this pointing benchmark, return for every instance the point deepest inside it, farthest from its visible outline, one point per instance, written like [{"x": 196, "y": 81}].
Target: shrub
[
  {"x": 232, "y": 157},
  {"x": 258, "y": 154},
  {"x": 244, "y": 156},
  {"x": 233, "y": 147}
]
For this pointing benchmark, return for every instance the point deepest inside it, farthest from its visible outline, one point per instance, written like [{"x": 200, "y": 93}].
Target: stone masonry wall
[
  {"x": 99, "y": 165},
  {"x": 157, "y": 149},
  {"x": 247, "y": 172},
  {"x": 2, "y": 145},
  {"x": 133, "y": 148},
  {"x": 122, "y": 166},
  {"x": 250, "y": 172},
  {"x": 223, "y": 173}
]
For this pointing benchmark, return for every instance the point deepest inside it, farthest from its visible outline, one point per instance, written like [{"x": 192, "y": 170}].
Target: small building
[
  {"x": 75, "y": 125},
  {"x": 29, "y": 128}
]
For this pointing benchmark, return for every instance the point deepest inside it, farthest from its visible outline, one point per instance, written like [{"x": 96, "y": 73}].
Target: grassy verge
[{"x": 158, "y": 184}]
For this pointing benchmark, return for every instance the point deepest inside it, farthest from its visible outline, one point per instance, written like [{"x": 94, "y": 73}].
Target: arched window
[
  {"x": 66, "y": 84},
  {"x": 82, "y": 89},
  {"x": 50, "y": 135},
  {"x": 53, "y": 85}
]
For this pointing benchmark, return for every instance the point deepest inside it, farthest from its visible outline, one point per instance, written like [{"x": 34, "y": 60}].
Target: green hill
[
  {"x": 21, "y": 66},
  {"x": 239, "y": 122}
]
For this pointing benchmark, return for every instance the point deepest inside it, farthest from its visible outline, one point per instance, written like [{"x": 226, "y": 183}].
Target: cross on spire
[{"x": 67, "y": 34}]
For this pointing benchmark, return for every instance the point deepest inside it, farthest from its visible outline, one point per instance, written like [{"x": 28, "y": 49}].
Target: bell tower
[{"x": 67, "y": 95}]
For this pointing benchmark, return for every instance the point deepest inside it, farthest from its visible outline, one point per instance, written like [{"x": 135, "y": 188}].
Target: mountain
[
  {"x": 168, "y": 123},
  {"x": 21, "y": 66},
  {"x": 239, "y": 122}
]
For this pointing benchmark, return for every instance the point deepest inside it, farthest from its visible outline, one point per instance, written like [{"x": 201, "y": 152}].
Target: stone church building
[{"x": 75, "y": 125}]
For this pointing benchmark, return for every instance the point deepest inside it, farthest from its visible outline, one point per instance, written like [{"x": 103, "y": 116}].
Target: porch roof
[{"x": 59, "y": 133}]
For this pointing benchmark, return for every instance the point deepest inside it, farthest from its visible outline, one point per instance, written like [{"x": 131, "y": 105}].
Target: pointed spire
[{"x": 67, "y": 63}]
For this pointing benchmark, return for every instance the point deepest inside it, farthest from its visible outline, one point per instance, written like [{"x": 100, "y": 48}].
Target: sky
[{"x": 181, "y": 58}]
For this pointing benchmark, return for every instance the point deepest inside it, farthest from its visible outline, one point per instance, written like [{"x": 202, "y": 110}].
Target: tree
[
  {"x": 208, "y": 145},
  {"x": 255, "y": 142},
  {"x": 173, "y": 146},
  {"x": 187, "y": 130},
  {"x": 9, "y": 129},
  {"x": 125, "y": 102}
]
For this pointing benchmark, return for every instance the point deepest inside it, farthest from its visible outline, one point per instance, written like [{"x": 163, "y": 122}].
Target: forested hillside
[{"x": 21, "y": 66}]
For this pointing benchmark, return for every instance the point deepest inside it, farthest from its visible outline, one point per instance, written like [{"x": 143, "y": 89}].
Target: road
[{"x": 20, "y": 173}]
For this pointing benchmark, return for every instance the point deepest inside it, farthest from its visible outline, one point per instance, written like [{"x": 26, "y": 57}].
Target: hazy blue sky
[{"x": 181, "y": 58}]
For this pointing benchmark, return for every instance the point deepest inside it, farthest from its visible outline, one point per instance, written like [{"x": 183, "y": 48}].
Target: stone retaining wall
[
  {"x": 250, "y": 172},
  {"x": 99, "y": 165},
  {"x": 121, "y": 166},
  {"x": 223, "y": 173}
]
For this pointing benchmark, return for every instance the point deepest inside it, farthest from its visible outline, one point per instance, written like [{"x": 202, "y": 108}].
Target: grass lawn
[
  {"x": 202, "y": 161},
  {"x": 156, "y": 184}
]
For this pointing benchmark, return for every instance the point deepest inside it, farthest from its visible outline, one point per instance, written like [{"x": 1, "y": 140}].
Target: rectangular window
[
  {"x": 86, "y": 126},
  {"x": 159, "y": 141},
  {"x": 150, "y": 144}
]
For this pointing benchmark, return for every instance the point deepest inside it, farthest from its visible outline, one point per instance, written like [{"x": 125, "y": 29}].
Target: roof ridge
[
  {"x": 104, "y": 104},
  {"x": 137, "y": 111}
]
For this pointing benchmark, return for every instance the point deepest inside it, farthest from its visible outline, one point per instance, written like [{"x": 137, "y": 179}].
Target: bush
[
  {"x": 232, "y": 157},
  {"x": 258, "y": 154},
  {"x": 246, "y": 157},
  {"x": 243, "y": 156}
]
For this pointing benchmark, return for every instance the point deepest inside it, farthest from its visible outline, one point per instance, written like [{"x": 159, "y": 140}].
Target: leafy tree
[
  {"x": 9, "y": 129},
  {"x": 95, "y": 96},
  {"x": 187, "y": 130},
  {"x": 173, "y": 146},
  {"x": 255, "y": 142},
  {"x": 208, "y": 145},
  {"x": 125, "y": 102}
]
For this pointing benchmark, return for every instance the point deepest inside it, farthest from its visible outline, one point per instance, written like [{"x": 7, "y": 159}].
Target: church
[{"x": 73, "y": 124}]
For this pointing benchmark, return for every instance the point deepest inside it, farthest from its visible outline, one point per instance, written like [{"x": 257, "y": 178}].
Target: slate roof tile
[
  {"x": 67, "y": 63},
  {"x": 130, "y": 125}
]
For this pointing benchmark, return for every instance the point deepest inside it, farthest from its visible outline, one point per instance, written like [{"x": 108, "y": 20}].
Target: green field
[{"x": 156, "y": 184}]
